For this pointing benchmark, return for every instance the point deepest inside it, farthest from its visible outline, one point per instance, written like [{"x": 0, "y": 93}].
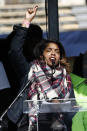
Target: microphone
[
  {"x": 53, "y": 69},
  {"x": 53, "y": 63},
  {"x": 53, "y": 66}
]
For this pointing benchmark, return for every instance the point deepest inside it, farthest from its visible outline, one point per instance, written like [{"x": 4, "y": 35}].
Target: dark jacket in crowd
[{"x": 7, "y": 95}]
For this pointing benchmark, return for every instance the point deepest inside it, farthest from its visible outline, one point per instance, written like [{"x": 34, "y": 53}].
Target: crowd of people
[{"x": 43, "y": 64}]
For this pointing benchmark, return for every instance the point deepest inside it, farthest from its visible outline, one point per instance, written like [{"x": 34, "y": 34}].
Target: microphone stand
[
  {"x": 20, "y": 94},
  {"x": 53, "y": 69},
  {"x": 30, "y": 123}
]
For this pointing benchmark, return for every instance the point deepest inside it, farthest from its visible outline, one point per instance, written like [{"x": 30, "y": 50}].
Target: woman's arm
[
  {"x": 16, "y": 57},
  {"x": 30, "y": 14}
]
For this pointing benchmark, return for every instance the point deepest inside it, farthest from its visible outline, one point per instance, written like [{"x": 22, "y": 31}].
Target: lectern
[{"x": 54, "y": 106}]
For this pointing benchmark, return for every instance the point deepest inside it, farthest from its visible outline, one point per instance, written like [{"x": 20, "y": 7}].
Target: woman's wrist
[{"x": 26, "y": 23}]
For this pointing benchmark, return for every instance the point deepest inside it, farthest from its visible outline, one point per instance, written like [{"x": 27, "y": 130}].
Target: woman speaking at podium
[{"x": 48, "y": 73}]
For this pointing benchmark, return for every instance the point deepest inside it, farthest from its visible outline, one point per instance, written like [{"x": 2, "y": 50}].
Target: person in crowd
[
  {"x": 8, "y": 82},
  {"x": 47, "y": 73},
  {"x": 7, "y": 94},
  {"x": 5, "y": 71}
]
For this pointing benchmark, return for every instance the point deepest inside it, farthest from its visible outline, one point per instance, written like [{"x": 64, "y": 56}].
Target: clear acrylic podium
[{"x": 54, "y": 106}]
